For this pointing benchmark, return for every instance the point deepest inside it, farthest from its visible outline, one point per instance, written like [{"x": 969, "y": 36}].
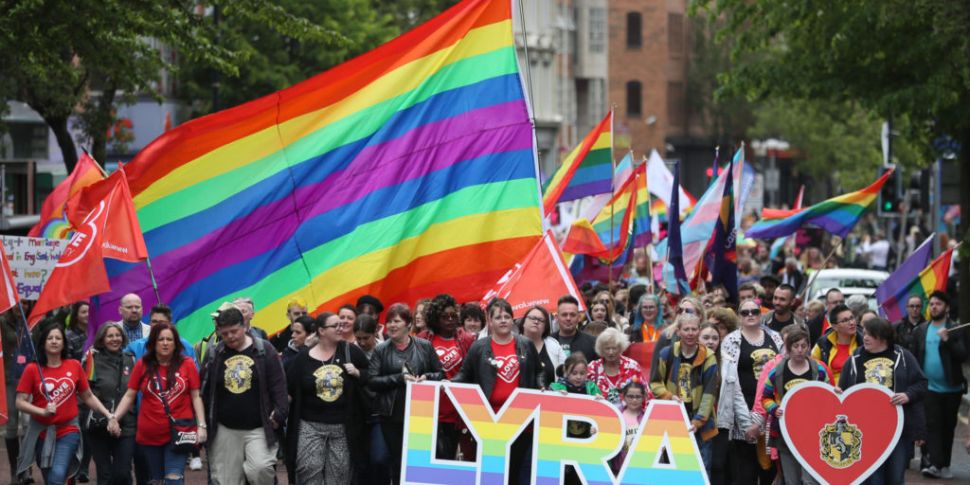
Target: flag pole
[
  {"x": 611, "y": 260},
  {"x": 825, "y": 262},
  {"x": 33, "y": 348},
  {"x": 148, "y": 258}
]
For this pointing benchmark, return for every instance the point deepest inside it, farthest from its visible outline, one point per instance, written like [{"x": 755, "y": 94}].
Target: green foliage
[{"x": 66, "y": 57}]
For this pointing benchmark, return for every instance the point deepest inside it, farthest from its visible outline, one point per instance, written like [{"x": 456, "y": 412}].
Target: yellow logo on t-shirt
[
  {"x": 760, "y": 357},
  {"x": 239, "y": 374},
  {"x": 880, "y": 371},
  {"x": 683, "y": 382},
  {"x": 330, "y": 382}
]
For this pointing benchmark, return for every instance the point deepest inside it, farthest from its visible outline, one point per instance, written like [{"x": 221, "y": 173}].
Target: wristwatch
[{"x": 203, "y": 426}]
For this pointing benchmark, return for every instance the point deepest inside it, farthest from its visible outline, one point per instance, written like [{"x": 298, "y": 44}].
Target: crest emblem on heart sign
[
  {"x": 59, "y": 390},
  {"x": 507, "y": 368},
  {"x": 841, "y": 438}
]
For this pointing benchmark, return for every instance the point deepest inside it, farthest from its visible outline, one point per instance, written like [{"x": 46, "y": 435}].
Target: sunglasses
[
  {"x": 689, "y": 311},
  {"x": 749, "y": 313}
]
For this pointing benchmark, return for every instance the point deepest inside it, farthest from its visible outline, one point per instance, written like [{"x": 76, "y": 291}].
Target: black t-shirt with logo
[
  {"x": 237, "y": 390},
  {"x": 750, "y": 364},
  {"x": 877, "y": 368},
  {"x": 324, "y": 399}
]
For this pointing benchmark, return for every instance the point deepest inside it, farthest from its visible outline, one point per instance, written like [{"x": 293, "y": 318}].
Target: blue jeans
[
  {"x": 64, "y": 451},
  {"x": 706, "y": 448},
  {"x": 164, "y": 464},
  {"x": 893, "y": 470}
]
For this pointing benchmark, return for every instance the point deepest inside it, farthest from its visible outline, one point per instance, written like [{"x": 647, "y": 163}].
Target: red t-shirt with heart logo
[
  {"x": 63, "y": 384},
  {"x": 450, "y": 357},
  {"x": 153, "y": 426},
  {"x": 506, "y": 364}
]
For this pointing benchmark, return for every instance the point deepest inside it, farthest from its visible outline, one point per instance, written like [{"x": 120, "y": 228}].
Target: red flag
[
  {"x": 540, "y": 279},
  {"x": 80, "y": 271},
  {"x": 52, "y": 222},
  {"x": 8, "y": 287},
  {"x": 122, "y": 237}
]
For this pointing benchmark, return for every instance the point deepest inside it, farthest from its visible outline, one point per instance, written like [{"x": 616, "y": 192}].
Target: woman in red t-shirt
[
  {"x": 48, "y": 391},
  {"x": 163, "y": 373}
]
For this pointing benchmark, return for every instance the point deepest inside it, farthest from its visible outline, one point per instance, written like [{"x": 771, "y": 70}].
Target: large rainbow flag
[
  {"x": 587, "y": 170},
  {"x": 403, "y": 173},
  {"x": 931, "y": 278},
  {"x": 837, "y": 215}
]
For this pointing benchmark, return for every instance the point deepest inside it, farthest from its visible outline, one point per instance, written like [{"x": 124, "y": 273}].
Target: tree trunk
[
  {"x": 58, "y": 125},
  {"x": 105, "y": 117},
  {"x": 964, "y": 231}
]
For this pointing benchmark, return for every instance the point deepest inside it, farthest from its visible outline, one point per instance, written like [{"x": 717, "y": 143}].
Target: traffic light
[{"x": 889, "y": 194}]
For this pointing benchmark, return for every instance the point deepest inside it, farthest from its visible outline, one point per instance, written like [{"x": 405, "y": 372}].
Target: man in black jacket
[
  {"x": 941, "y": 356},
  {"x": 244, "y": 390},
  {"x": 907, "y": 326}
]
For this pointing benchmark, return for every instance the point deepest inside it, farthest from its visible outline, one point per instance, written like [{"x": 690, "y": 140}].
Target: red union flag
[
  {"x": 121, "y": 234},
  {"x": 8, "y": 287},
  {"x": 80, "y": 271},
  {"x": 539, "y": 279}
]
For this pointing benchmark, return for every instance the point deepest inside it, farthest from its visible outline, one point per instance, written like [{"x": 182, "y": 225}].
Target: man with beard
[
  {"x": 782, "y": 315},
  {"x": 941, "y": 356}
]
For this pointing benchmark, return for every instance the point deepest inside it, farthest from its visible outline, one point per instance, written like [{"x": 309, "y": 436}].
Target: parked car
[{"x": 850, "y": 281}]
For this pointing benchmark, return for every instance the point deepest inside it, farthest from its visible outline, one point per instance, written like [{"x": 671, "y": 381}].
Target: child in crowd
[
  {"x": 574, "y": 381},
  {"x": 632, "y": 405}
]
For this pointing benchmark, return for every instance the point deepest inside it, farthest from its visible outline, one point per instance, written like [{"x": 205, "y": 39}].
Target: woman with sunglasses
[
  {"x": 839, "y": 342},
  {"x": 451, "y": 343},
  {"x": 745, "y": 351}
]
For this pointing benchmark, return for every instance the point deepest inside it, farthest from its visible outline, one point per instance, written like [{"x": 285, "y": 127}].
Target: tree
[
  {"x": 895, "y": 58},
  {"x": 80, "y": 57}
]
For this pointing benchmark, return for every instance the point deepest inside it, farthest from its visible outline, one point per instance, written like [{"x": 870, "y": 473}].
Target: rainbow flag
[
  {"x": 403, "y": 173},
  {"x": 930, "y": 279},
  {"x": 642, "y": 225},
  {"x": 837, "y": 215},
  {"x": 53, "y": 223},
  {"x": 587, "y": 170},
  {"x": 608, "y": 234}
]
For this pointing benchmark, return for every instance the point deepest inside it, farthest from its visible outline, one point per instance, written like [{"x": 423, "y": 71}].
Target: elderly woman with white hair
[{"x": 612, "y": 369}]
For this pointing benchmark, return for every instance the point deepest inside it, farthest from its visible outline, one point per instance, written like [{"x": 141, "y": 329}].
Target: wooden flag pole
[{"x": 825, "y": 263}]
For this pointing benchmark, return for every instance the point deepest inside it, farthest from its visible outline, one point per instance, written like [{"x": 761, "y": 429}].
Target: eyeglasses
[
  {"x": 749, "y": 313},
  {"x": 536, "y": 319},
  {"x": 846, "y": 320},
  {"x": 689, "y": 311},
  {"x": 329, "y": 326},
  {"x": 914, "y": 306}
]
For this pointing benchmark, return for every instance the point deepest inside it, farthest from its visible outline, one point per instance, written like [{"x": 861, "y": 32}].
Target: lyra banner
[
  {"x": 32, "y": 259},
  {"x": 664, "y": 429}
]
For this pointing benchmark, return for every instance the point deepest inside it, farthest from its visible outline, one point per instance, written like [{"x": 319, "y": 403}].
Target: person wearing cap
[
  {"x": 242, "y": 374},
  {"x": 239, "y": 304},
  {"x": 248, "y": 308}
]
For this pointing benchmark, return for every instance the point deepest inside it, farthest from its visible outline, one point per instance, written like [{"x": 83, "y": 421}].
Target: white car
[{"x": 850, "y": 281}]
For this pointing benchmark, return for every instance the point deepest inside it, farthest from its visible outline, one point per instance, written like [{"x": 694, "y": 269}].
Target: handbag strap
[{"x": 164, "y": 399}]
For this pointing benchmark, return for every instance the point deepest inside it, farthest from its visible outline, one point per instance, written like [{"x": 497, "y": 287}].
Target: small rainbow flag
[
  {"x": 837, "y": 215},
  {"x": 930, "y": 279},
  {"x": 374, "y": 177},
  {"x": 587, "y": 170},
  {"x": 607, "y": 236},
  {"x": 642, "y": 229},
  {"x": 53, "y": 223}
]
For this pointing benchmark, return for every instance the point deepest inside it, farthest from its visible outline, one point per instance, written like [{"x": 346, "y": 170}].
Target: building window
[
  {"x": 597, "y": 30},
  {"x": 675, "y": 34},
  {"x": 634, "y": 30},
  {"x": 634, "y": 98},
  {"x": 676, "y": 100}
]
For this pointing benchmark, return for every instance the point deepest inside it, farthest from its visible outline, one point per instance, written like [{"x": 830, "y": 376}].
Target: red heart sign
[{"x": 841, "y": 438}]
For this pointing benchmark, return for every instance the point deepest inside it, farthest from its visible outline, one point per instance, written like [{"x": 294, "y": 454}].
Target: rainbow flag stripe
[
  {"x": 837, "y": 215},
  {"x": 587, "y": 170},
  {"x": 402, "y": 173},
  {"x": 932, "y": 278},
  {"x": 642, "y": 229}
]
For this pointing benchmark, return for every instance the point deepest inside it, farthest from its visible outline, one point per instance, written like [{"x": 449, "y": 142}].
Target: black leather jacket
[
  {"x": 477, "y": 368},
  {"x": 385, "y": 374}
]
